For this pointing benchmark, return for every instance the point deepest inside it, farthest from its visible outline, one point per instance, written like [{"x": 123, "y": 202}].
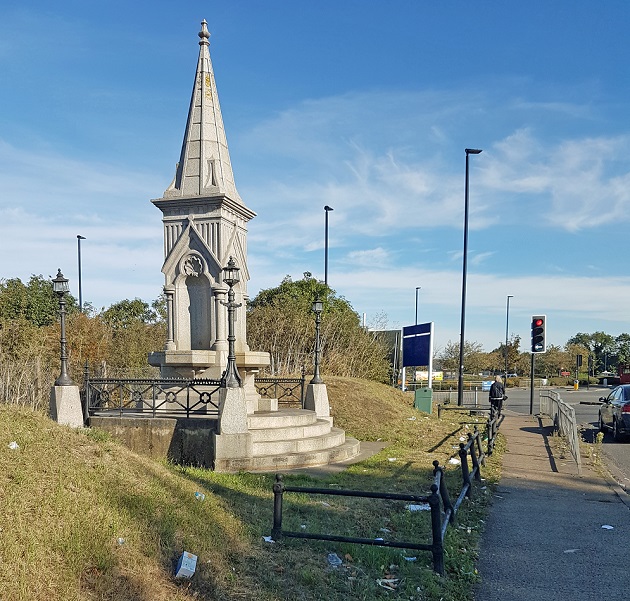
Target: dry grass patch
[{"x": 68, "y": 497}]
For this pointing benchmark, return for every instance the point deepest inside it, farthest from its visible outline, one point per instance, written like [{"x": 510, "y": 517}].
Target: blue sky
[{"x": 364, "y": 106}]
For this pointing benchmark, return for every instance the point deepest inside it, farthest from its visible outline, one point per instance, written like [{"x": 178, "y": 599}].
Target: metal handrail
[{"x": 564, "y": 421}]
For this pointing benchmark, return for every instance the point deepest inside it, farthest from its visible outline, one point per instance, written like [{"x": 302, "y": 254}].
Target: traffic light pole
[{"x": 531, "y": 388}]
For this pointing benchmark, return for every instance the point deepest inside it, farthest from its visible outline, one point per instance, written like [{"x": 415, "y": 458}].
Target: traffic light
[{"x": 539, "y": 342}]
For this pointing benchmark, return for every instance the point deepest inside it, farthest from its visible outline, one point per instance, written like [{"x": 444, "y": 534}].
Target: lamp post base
[
  {"x": 65, "y": 406},
  {"x": 317, "y": 400}
]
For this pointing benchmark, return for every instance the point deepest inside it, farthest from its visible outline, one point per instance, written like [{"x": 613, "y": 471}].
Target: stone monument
[{"x": 205, "y": 223}]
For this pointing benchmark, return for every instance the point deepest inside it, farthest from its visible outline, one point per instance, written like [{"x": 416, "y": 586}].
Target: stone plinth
[
  {"x": 233, "y": 441},
  {"x": 317, "y": 400},
  {"x": 65, "y": 406}
]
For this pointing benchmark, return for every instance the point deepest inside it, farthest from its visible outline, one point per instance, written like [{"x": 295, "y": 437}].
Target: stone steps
[
  {"x": 294, "y": 438},
  {"x": 270, "y": 463}
]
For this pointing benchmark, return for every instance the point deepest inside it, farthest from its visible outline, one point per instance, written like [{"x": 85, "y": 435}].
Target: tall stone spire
[{"x": 204, "y": 168}]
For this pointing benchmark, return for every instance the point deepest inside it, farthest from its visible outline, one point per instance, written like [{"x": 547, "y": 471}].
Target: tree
[
  {"x": 34, "y": 302},
  {"x": 474, "y": 358},
  {"x": 281, "y": 322}
]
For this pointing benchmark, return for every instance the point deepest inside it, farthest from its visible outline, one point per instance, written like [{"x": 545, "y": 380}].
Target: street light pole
[
  {"x": 231, "y": 377},
  {"x": 417, "y": 288},
  {"x": 507, "y": 321},
  {"x": 327, "y": 209},
  {"x": 79, "y": 238},
  {"x": 61, "y": 288},
  {"x": 318, "y": 307},
  {"x": 460, "y": 377}
]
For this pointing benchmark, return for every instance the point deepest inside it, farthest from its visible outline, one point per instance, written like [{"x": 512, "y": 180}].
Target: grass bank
[{"x": 84, "y": 518}]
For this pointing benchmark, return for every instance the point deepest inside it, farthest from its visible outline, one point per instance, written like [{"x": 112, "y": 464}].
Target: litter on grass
[
  {"x": 454, "y": 461},
  {"x": 121, "y": 540},
  {"x": 391, "y": 584},
  {"x": 186, "y": 565},
  {"x": 391, "y": 458},
  {"x": 268, "y": 539},
  {"x": 14, "y": 445},
  {"x": 410, "y": 558},
  {"x": 199, "y": 496},
  {"x": 334, "y": 560},
  {"x": 419, "y": 507},
  {"x": 571, "y": 550},
  {"x": 607, "y": 527}
]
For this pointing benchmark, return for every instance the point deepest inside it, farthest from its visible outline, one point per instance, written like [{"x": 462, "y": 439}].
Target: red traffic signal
[{"x": 539, "y": 342}]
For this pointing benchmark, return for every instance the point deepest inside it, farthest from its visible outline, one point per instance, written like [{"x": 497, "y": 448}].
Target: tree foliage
[
  {"x": 34, "y": 302},
  {"x": 280, "y": 321}
]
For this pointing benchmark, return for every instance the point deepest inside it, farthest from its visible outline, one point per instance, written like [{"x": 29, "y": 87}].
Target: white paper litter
[
  {"x": 410, "y": 558},
  {"x": 454, "y": 461},
  {"x": 608, "y": 527},
  {"x": 411, "y": 419},
  {"x": 14, "y": 445},
  {"x": 419, "y": 507},
  {"x": 571, "y": 550},
  {"x": 268, "y": 539},
  {"x": 391, "y": 459}
]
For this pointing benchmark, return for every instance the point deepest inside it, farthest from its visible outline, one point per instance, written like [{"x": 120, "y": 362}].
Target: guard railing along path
[
  {"x": 443, "y": 512},
  {"x": 564, "y": 422}
]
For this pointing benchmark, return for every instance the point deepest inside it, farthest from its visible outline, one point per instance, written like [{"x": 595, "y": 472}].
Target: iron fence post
[
  {"x": 473, "y": 457},
  {"x": 436, "y": 530},
  {"x": 86, "y": 388},
  {"x": 463, "y": 457},
  {"x": 446, "y": 500},
  {"x": 278, "y": 491}
]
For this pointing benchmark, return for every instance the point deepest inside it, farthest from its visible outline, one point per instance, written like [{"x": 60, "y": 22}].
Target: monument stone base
[
  {"x": 317, "y": 400},
  {"x": 65, "y": 406}
]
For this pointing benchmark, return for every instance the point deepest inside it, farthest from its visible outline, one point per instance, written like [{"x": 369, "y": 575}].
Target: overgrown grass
[{"x": 84, "y": 518}]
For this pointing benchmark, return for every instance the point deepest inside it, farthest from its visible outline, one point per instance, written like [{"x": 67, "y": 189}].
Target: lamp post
[
  {"x": 327, "y": 209},
  {"x": 460, "y": 378},
  {"x": 417, "y": 288},
  {"x": 231, "y": 377},
  {"x": 61, "y": 288},
  {"x": 79, "y": 238},
  {"x": 318, "y": 307},
  {"x": 507, "y": 322}
]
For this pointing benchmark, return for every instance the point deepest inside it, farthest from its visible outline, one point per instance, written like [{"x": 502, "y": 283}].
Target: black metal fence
[
  {"x": 288, "y": 391},
  {"x": 151, "y": 397},
  {"x": 442, "y": 511}
]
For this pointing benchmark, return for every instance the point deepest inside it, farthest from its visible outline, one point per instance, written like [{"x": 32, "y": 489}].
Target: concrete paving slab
[{"x": 544, "y": 538}]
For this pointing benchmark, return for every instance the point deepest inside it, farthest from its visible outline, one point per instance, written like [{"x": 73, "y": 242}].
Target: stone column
[
  {"x": 220, "y": 343},
  {"x": 169, "y": 292}
]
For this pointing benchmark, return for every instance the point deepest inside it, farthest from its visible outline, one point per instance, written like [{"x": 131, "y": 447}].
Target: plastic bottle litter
[{"x": 199, "y": 496}]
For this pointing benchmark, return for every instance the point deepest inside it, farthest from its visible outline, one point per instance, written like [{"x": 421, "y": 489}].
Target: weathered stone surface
[{"x": 65, "y": 406}]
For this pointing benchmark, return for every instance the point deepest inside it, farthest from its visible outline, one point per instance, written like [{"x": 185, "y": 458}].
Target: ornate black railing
[
  {"x": 288, "y": 391},
  {"x": 103, "y": 396}
]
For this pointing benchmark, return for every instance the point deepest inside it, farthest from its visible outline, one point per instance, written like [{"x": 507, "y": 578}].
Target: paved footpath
[{"x": 544, "y": 539}]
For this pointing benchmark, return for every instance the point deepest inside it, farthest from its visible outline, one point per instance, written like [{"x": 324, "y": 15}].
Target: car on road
[{"x": 614, "y": 412}]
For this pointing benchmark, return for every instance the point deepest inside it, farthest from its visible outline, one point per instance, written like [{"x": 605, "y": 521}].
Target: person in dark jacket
[{"x": 497, "y": 395}]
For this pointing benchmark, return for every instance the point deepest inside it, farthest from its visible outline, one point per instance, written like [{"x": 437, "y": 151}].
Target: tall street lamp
[
  {"x": 231, "y": 377},
  {"x": 79, "y": 238},
  {"x": 327, "y": 209},
  {"x": 417, "y": 288},
  {"x": 318, "y": 307},
  {"x": 507, "y": 322},
  {"x": 460, "y": 378},
  {"x": 61, "y": 288}
]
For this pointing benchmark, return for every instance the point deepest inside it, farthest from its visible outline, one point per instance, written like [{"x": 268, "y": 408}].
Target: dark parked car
[{"x": 614, "y": 413}]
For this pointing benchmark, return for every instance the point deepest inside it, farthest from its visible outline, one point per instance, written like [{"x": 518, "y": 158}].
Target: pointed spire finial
[{"x": 204, "y": 34}]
